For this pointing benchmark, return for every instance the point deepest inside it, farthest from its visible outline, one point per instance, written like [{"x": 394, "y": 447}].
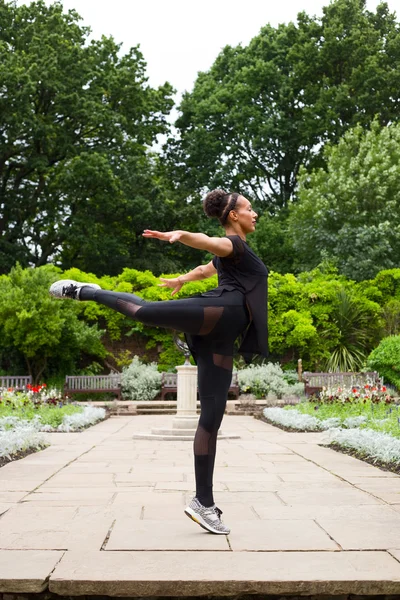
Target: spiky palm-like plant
[{"x": 352, "y": 323}]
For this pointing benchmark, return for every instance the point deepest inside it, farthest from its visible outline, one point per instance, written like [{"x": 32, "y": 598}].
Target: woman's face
[{"x": 246, "y": 216}]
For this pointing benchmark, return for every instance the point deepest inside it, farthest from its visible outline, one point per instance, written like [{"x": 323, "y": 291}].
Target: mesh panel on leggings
[
  {"x": 223, "y": 361},
  {"x": 129, "y": 309},
  {"x": 212, "y": 315},
  {"x": 205, "y": 443}
]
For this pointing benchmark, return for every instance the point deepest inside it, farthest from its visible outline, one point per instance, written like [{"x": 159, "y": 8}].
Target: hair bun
[{"x": 215, "y": 202}]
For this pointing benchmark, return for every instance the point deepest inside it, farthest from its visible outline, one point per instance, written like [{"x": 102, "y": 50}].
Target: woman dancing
[{"x": 211, "y": 322}]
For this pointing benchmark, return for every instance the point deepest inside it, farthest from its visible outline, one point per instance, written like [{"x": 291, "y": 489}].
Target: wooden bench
[
  {"x": 93, "y": 384},
  {"x": 169, "y": 385},
  {"x": 15, "y": 382},
  {"x": 314, "y": 382}
]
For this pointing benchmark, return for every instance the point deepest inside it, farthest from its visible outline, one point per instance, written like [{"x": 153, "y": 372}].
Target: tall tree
[
  {"x": 350, "y": 211},
  {"x": 73, "y": 113},
  {"x": 264, "y": 110}
]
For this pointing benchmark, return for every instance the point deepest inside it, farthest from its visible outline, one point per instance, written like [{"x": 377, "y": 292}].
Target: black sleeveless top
[{"x": 244, "y": 271}]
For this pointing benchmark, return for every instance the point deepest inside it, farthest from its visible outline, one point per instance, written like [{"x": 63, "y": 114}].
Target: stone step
[{"x": 147, "y": 573}]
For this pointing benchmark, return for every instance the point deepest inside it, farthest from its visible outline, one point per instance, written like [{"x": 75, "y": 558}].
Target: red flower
[{"x": 383, "y": 388}]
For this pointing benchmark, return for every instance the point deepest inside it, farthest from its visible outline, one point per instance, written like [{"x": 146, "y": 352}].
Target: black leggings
[{"x": 211, "y": 325}]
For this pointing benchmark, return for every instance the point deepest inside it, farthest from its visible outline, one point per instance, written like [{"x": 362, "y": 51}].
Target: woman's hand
[
  {"x": 166, "y": 236},
  {"x": 173, "y": 283}
]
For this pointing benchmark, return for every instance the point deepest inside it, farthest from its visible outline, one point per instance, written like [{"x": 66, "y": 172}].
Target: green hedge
[{"x": 50, "y": 337}]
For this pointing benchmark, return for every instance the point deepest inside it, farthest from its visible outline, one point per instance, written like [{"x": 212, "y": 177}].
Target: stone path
[{"x": 99, "y": 513}]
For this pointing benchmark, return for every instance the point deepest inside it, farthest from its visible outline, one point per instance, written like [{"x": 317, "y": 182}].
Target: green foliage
[
  {"x": 263, "y": 110},
  {"x": 78, "y": 182},
  {"x": 350, "y": 212},
  {"x": 305, "y": 320},
  {"x": 351, "y": 319},
  {"x": 262, "y": 380},
  {"x": 49, "y": 415},
  {"x": 313, "y": 316},
  {"x": 140, "y": 381},
  {"x": 272, "y": 243},
  {"x": 386, "y": 360},
  {"x": 38, "y": 333},
  {"x": 379, "y": 417}
]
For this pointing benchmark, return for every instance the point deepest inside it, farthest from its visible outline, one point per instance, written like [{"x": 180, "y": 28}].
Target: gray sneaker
[
  {"x": 208, "y": 517},
  {"x": 67, "y": 288}
]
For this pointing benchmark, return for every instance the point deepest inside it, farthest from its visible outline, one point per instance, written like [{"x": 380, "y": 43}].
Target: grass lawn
[{"x": 379, "y": 417}]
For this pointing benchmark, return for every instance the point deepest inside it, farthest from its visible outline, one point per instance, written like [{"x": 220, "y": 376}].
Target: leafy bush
[
  {"x": 269, "y": 378},
  {"x": 386, "y": 360},
  {"x": 140, "y": 381},
  {"x": 39, "y": 332}
]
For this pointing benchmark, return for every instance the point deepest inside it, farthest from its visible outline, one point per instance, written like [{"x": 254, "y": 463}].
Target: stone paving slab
[
  {"x": 52, "y": 532},
  {"x": 327, "y": 497},
  {"x": 357, "y": 534},
  {"x": 304, "y": 519},
  {"x": 26, "y": 572},
  {"x": 19, "y": 485},
  {"x": 11, "y": 497},
  {"x": 316, "y": 512},
  {"x": 285, "y": 535},
  {"x": 131, "y": 534},
  {"x": 173, "y": 574},
  {"x": 68, "y": 497},
  {"x": 395, "y": 554}
]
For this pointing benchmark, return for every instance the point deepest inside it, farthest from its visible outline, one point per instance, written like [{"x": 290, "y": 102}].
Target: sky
[{"x": 179, "y": 38}]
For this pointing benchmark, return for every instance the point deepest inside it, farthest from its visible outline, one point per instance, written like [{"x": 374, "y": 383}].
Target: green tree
[
  {"x": 272, "y": 243},
  {"x": 350, "y": 211},
  {"x": 264, "y": 110},
  {"x": 386, "y": 360},
  {"x": 39, "y": 334},
  {"x": 77, "y": 121}
]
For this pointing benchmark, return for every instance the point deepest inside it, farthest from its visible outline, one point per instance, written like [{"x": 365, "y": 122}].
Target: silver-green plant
[
  {"x": 267, "y": 379},
  {"x": 140, "y": 381}
]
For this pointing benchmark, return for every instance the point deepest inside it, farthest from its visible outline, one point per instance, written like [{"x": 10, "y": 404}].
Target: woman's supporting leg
[{"x": 214, "y": 381}]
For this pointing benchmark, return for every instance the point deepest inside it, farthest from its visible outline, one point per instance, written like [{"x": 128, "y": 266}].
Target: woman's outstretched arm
[
  {"x": 201, "y": 241},
  {"x": 197, "y": 274}
]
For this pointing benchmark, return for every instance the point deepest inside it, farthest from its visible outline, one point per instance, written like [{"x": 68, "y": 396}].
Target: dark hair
[{"x": 219, "y": 203}]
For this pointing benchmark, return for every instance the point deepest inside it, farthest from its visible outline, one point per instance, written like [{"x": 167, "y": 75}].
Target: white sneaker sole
[
  {"x": 56, "y": 288},
  {"x": 200, "y": 521}
]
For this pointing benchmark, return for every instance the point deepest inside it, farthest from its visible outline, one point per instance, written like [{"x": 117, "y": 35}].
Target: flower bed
[
  {"x": 363, "y": 422},
  {"x": 24, "y": 416}
]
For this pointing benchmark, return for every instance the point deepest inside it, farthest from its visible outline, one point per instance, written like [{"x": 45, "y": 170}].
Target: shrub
[
  {"x": 386, "y": 360},
  {"x": 140, "y": 381},
  {"x": 265, "y": 379}
]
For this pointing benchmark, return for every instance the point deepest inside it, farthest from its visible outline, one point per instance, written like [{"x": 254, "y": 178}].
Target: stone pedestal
[
  {"x": 184, "y": 423},
  {"x": 186, "y": 413}
]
